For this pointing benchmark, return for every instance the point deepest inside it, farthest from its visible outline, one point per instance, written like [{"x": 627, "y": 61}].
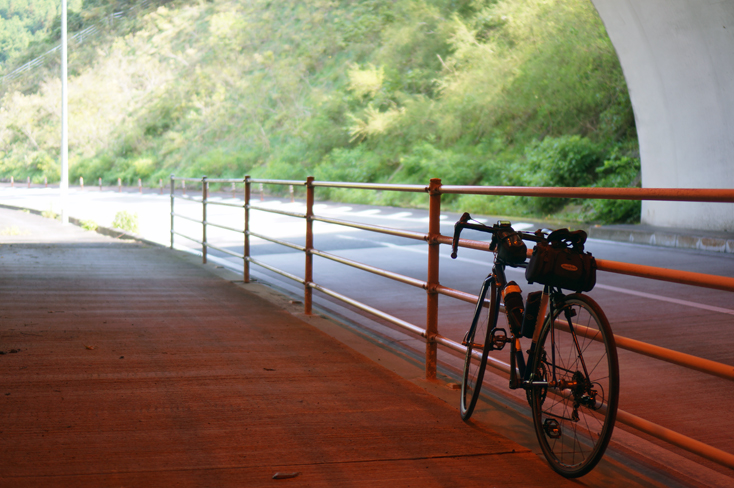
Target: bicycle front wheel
[
  {"x": 574, "y": 416},
  {"x": 477, "y": 342}
]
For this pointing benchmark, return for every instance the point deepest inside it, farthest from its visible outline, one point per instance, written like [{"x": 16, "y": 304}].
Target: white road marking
[
  {"x": 667, "y": 299},
  {"x": 369, "y": 212}
]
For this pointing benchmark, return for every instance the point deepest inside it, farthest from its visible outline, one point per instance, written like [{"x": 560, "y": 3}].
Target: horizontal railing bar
[
  {"x": 225, "y": 180},
  {"x": 460, "y": 295},
  {"x": 467, "y": 243},
  {"x": 181, "y": 178},
  {"x": 674, "y": 276},
  {"x": 239, "y": 231},
  {"x": 186, "y": 218},
  {"x": 366, "y": 267},
  {"x": 281, "y": 212},
  {"x": 684, "y": 442},
  {"x": 276, "y": 241},
  {"x": 226, "y": 251},
  {"x": 371, "y": 186},
  {"x": 279, "y": 182},
  {"x": 276, "y": 270},
  {"x": 656, "y": 352},
  {"x": 374, "y": 228},
  {"x": 390, "y": 318},
  {"x": 664, "y": 194},
  {"x": 225, "y": 204},
  {"x": 186, "y": 237}
]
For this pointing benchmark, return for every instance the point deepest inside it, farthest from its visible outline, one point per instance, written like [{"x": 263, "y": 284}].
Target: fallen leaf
[
  {"x": 91, "y": 348},
  {"x": 285, "y": 476}
]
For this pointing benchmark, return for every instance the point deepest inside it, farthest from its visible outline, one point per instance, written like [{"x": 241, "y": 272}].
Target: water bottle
[{"x": 514, "y": 308}]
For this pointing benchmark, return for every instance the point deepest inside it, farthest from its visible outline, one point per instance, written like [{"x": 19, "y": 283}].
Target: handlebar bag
[
  {"x": 562, "y": 267},
  {"x": 510, "y": 247}
]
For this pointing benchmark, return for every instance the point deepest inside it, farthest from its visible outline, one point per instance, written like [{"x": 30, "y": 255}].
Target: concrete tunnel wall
[{"x": 678, "y": 60}]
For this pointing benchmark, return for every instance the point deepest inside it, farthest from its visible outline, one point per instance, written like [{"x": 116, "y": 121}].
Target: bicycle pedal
[
  {"x": 498, "y": 339},
  {"x": 552, "y": 428}
]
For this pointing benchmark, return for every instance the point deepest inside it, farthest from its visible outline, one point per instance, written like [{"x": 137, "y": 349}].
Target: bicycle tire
[
  {"x": 484, "y": 320},
  {"x": 573, "y": 425}
]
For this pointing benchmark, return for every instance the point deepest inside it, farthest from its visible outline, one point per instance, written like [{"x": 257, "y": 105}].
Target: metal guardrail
[{"x": 434, "y": 239}]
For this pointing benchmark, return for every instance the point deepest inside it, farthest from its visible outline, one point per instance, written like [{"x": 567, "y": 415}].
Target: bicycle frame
[{"x": 520, "y": 376}]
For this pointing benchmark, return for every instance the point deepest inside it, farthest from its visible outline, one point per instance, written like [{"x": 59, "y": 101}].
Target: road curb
[{"x": 665, "y": 238}]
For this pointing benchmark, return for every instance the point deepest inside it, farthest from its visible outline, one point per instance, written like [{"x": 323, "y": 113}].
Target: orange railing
[{"x": 433, "y": 288}]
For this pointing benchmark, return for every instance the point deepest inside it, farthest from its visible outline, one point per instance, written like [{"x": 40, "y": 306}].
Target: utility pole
[{"x": 64, "y": 184}]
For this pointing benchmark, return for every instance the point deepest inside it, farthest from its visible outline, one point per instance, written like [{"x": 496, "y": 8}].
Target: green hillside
[{"x": 503, "y": 92}]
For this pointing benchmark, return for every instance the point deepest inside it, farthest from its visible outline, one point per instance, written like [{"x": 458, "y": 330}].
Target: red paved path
[{"x": 130, "y": 365}]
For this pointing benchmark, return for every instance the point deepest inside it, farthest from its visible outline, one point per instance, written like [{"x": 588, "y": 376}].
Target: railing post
[
  {"x": 204, "y": 191},
  {"x": 308, "y": 291},
  {"x": 173, "y": 185},
  {"x": 434, "y": 230},
  {"x": 247, "y": 230}
]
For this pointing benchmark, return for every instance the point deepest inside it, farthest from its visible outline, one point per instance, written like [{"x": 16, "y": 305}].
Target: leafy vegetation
[
  {"x": 126, "y": 221},
  {"x": 492, "y": 92},
  {"x": 50, "y": 214},
  {"x": 88, "y": 225}
]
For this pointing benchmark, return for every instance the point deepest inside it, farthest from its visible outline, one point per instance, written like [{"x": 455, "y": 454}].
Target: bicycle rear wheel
[
  {"x": 574, "y": 417},
  {"x": 475, "y": 361}
]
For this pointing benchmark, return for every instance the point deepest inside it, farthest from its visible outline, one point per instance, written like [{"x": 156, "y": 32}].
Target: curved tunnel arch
[{"x": 678, "y": 60}]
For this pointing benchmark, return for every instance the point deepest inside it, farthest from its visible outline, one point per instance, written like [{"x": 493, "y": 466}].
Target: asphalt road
[{"x": 692, "y": 320}]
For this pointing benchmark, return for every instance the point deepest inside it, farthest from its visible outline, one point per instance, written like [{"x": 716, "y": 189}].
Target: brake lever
[{"x": 458, "y": 227}]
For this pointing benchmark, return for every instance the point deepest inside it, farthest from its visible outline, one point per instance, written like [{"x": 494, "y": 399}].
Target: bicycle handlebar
[{"x": 463, "y": 223}]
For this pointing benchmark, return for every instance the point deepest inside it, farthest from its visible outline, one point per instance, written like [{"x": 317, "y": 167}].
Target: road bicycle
[{"x": 571, "y": 376}]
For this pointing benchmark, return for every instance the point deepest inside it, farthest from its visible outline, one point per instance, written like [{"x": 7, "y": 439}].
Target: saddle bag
[{"x": 560, "y": 266}]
